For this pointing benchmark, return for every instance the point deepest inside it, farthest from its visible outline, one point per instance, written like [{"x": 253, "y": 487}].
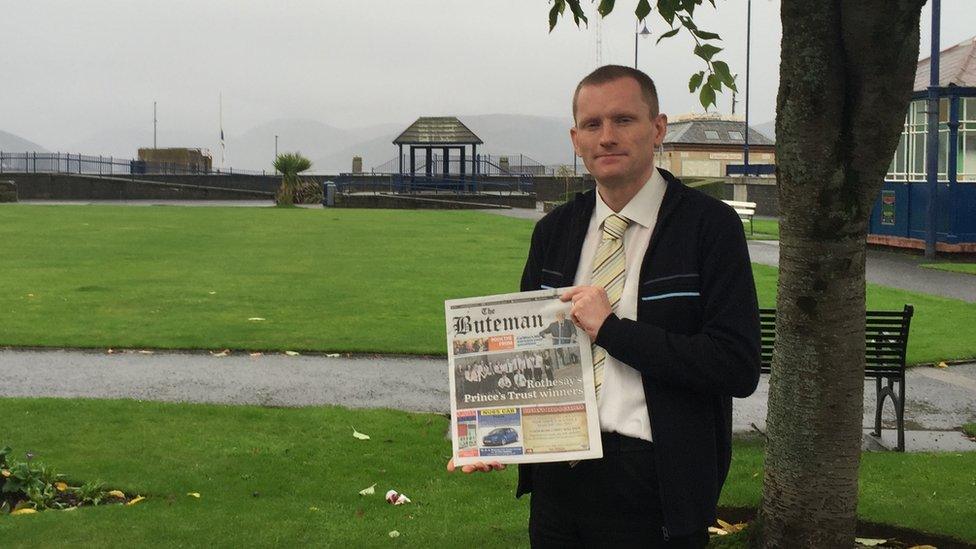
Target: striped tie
[{"x": 609, "y": 272}]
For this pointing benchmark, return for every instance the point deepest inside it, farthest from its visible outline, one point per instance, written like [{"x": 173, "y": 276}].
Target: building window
[
  {"x": 735, "y": 136},
  {"x": 711, "y": 134},
  {"x": 909, "y": 161}
]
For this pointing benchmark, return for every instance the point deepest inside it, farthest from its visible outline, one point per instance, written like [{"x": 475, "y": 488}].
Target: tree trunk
[
  {"x": 846, "y": 73},
  {"x": 286, "y": 193}
]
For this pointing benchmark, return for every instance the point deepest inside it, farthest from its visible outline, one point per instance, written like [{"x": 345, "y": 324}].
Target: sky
[{"x": 75, "y": 69}]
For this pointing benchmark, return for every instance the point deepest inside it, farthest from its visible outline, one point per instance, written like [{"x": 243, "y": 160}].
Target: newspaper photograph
[{"x": 521, "y": 378}]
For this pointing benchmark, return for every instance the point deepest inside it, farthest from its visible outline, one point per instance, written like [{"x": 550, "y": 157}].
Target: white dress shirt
[{"x": 623, "y": 408}]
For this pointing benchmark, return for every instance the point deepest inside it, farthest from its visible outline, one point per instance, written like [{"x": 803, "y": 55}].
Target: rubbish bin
[{"x": 328, "y": 194}]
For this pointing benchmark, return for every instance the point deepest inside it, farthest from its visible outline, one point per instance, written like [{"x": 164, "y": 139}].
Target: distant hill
[
  {"x": 766, "y": 128},
  {"x": 16, "y": 144}
]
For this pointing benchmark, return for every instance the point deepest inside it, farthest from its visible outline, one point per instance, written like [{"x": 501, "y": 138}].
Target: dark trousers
[{"x": 609, "y": 502}]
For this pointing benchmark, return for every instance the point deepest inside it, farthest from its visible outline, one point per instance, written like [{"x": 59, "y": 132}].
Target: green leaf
[
  {"x": 557, "y": 8},
  {"x": 714, "y": 82},
  {"x": 668, "y": 34},
  {"x": 706, "y": 51},
  {"x": 578, "y": 15},
  {"x": 722, "y": 71},
  {"x": 667, "y": 8},
  {"x": 643, "y": 10},
  {"x": 606, "y": 6},
  {"x": 706, "y": 96},
  {"x": 688, "y": 23},
  {"x": 705, "y": 35},
  {"x": 696, "y": 80}
]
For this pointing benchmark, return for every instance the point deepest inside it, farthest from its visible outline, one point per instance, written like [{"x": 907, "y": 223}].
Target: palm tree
[{"x": 289, "y": 165}]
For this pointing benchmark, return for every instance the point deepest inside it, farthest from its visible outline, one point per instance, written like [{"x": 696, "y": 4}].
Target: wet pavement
[{"x": 938, "y": 400}]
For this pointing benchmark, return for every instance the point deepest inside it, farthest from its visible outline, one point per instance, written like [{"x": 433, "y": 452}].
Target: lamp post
[
  {"x": 745, "y": 149},
  {"x": 276, "y": 150},
  {"x": 638, "y": 34}
]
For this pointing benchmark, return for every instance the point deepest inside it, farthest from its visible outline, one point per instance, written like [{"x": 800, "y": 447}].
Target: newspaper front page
[{"x": 521, "y": 376}]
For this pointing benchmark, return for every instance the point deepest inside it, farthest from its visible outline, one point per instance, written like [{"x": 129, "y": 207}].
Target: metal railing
[
  {"x": 67, "y": 163},
  {"x": 486, "y": 164}
]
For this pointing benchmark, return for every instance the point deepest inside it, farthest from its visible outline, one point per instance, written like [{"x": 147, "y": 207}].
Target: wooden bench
[
  {"x": 886, "y": 340},
  {"x": 745, "y": 210}
]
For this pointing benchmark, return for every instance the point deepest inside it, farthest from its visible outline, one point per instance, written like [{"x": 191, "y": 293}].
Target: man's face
[{"x": 615, "y": 133}]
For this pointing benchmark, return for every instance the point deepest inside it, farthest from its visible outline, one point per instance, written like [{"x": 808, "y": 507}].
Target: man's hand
[
  {"x": 590, "y": 308},
  {"x": 479, "y": 466}
]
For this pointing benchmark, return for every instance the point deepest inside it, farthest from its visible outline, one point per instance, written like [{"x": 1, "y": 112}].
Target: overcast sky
[{"x": 72, "y": 69}]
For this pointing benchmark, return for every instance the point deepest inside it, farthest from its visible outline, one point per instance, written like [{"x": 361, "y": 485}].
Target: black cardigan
[{"x": 695, "y": 342}]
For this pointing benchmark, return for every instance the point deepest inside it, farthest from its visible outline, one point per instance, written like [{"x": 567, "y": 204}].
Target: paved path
[
  {"x": 937, "y": 399},
  {"x": 893, "y": 269}
]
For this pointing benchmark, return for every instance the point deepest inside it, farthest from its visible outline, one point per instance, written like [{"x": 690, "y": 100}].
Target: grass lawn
[
  {"x": 969, "y": 429},
  {"x": 765, "y": 229},
  {"x": 291, "y": 477},
  {"x": 966, "y": 268},
  {"x": 322, "y": 280}
]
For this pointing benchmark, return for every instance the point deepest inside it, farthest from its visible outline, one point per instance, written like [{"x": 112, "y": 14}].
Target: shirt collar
[{"x": 642, "y": 208}]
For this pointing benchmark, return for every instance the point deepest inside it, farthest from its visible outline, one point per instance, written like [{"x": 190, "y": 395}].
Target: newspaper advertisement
[{"x": 521, "y": 377}]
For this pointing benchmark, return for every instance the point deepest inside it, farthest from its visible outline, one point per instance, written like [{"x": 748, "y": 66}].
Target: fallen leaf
[
  {"x": 313, "y": 509},
  {"x": 942, "y": 365},
  {"x": 24, "y": 511},
  {"x": 194, "y": 494},
  {"x": 291, "y": 353},
  {"x": 69, "y": 509},
  {"x": 870, "y": 542},
  {"x": 116, "y": 494},
  {"x": 368, "y": 491},
  {"x": 394, "y": 534},
  {"x": 61, "y": 486},
  {"x": 223, "y": 353},
  {"x": 725, "y": 526},
  {"x": 111, "y": 351},
  {"x": 5, "y": 473},
  {"x": 30, "y": 295},
  {"x": 332, "y": 355},
  {"x": 145, "y": 352},
  {"x": 717, "y": 531},
  {"x": 359, "y": 435},
  {"x": 255, "y": 354},
  {"x": 136, "y": 500},
  {"x": 255, "y": 319},
  {"x": 212, "y": 293}
]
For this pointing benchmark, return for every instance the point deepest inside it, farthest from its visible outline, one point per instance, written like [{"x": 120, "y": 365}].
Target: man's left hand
[{"x": 591, "y": 307}]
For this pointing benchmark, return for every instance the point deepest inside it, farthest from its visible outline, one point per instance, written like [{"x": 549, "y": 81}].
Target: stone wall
[
  {"x": 83, "y": 187},
  {"x": 761, "y": 190},
  {"x": 8, "y": 191}
]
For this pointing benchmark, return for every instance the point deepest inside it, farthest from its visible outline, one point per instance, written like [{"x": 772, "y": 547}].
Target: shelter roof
[
  {"x": 711, "y": 130},
  {"x": 437, "y": 130},
  {"x": 957, "y": 65}
]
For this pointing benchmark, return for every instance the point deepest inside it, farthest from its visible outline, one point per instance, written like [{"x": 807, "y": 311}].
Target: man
[
  {"x": 675, "y": 325},
  {"x": 563, "y": 332}
]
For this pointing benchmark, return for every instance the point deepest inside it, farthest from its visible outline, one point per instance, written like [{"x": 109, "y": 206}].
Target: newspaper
[{"x": 521, "y": 376}]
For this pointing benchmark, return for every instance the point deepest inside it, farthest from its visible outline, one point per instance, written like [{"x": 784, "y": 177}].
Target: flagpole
[{"x": 220, "y": 108}]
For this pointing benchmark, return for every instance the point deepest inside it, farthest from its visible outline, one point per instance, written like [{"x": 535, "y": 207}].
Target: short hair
[{"x": 609, "y": 73}]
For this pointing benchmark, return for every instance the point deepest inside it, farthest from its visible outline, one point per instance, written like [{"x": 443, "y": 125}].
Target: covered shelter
[
  {"x": 437, "y": 133},
  {"x": 899, "y": 217}
]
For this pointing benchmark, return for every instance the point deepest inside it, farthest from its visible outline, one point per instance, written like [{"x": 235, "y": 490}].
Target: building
[
  {"x": 703, "y": 145},
  {"x": 899, "y": 216},
  {"x": 175, "y": 159}
]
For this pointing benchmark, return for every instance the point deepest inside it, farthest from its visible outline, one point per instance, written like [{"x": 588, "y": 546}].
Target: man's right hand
[{"x": 479, "y": 466}]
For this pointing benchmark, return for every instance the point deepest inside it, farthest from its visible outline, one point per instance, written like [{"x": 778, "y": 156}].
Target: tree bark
[{"x": 846, "y": 73}]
